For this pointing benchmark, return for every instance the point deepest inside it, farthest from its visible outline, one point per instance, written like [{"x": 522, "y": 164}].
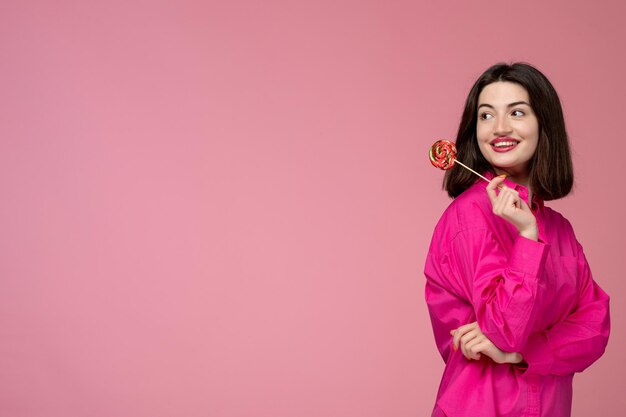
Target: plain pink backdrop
[{"x": 222, "y": 208}]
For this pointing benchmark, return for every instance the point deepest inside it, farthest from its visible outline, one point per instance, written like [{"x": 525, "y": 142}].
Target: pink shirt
[{"x": 535, "y": 298}]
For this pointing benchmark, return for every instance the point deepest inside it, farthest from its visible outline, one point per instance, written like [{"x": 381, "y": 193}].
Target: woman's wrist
[{"x": 531, "y": 233}]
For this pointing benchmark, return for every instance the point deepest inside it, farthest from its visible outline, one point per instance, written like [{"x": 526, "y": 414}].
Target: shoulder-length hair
[{"x": 551, "y": 172}]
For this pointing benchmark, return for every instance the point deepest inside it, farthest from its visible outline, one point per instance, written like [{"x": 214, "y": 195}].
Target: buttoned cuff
[
  {"x": 528, "y": 256},
  {"x": 537, "y": 355}
]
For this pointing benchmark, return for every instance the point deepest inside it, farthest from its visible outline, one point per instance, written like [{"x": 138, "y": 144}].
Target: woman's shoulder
[
  {"x": 476, "y": 195},
  {"x": 555, "y": 218},
  {"x": 469, "y": 203},
  {"x": 560, "y": 229},
  {"x": 470, "y": 210}
]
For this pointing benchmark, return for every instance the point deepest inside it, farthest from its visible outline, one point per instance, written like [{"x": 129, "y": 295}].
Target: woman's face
[{"x": 507, "y": 128}]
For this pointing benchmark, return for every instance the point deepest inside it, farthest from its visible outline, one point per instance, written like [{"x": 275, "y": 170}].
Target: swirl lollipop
[{"x": 443, "y": 156}]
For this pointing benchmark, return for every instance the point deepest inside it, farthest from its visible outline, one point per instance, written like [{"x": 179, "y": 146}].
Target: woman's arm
[
  {"x": 575, "y": 343},
  {"x": 472, "y": 274},
  {"x": 503, "y": 286},
  {"x": 503, "y": 283}
]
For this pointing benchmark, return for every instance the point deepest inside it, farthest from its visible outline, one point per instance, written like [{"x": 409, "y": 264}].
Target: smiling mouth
[{"x": 505, "y": 144}]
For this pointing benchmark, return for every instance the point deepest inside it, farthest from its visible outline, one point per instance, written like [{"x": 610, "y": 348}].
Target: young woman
[{"x": 514, "y": 308}]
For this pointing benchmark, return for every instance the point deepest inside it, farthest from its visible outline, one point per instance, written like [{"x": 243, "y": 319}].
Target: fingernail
[{"x": 502, "y": 176}]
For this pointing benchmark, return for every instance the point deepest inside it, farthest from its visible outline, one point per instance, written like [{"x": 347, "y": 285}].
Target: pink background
[{"x": 223, "y": 208}]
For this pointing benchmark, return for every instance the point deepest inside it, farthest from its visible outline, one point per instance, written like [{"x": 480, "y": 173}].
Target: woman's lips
[{"x": 504, "y": 144}]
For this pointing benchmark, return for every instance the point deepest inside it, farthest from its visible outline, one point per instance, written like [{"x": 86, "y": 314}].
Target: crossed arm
[{"x": 570, "y": 345}]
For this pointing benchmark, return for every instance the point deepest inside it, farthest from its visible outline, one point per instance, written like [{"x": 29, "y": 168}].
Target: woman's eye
[
  {"x": 517, "y": 113},
  {"x": 485, "y": 116}
]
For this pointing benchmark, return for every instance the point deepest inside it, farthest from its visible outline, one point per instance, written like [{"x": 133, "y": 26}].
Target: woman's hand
[
  {"x": 507, "y": 204},
  {"x": 473, "y": 342}
]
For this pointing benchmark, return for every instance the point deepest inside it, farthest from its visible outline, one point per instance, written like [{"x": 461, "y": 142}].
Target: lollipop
[{"x": 443, "y": 156}]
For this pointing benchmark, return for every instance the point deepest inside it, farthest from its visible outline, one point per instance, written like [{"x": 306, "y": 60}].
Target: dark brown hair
[{"x": 551, "y": 173}]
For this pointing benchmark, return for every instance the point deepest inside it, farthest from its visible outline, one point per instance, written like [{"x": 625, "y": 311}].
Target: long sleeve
[
  {"x": 504, "y": 286},
  {"x": 445, "y": 309},
  {"x": 573, "y": 344}
]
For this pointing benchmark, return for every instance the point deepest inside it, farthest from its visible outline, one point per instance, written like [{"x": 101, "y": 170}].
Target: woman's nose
[{"x": 502, "y": 127}]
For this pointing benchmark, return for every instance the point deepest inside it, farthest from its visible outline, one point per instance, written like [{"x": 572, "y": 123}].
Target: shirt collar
[{"x": 523, "y": 191}]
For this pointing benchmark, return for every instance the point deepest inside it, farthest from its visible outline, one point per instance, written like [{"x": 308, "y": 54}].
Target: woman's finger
[
  {"x": 471, "y": 347},
  {"x": 508, "y": 205},
  {"x": 458, "y": 333},
  {"x": 492, "y": 186},
  {"x": 482, "y": 347},
  {"x": 469, "y": 354},
  {"x": 525, "y": 206},
  {"x": 456, "y": 340},
  {"x": 467, "y": 338},
  {"x": 502, "y": 201}
]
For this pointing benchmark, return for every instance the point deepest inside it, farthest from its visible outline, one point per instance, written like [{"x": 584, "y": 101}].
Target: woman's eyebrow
[{"x": 516, "y": 103}]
